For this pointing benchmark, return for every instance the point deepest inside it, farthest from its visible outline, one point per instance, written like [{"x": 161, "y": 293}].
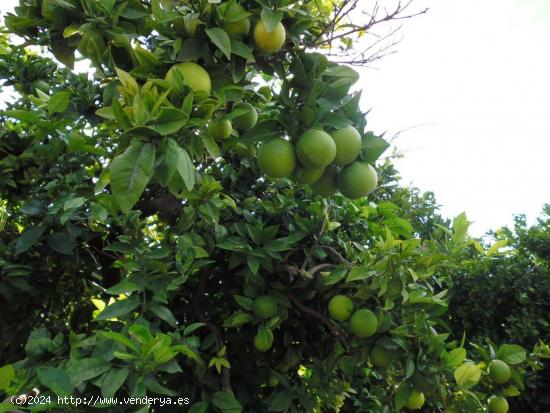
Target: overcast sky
[{"x": 472, "y": 80}]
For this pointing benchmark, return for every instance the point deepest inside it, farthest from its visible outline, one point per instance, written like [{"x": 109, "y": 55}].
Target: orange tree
[{"x": 147, "y": 250}]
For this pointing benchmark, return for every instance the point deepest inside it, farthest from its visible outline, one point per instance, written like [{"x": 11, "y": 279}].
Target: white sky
[{"x": 472, "y": 78}]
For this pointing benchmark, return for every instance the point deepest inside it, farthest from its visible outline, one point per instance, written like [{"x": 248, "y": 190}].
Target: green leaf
[
  {"x": 119, "y": 308},
  {"x": 226, "y": 402},
  {"x": 456, "y": 357},
  {"x": 106, "y": 112},
  {"x": 122, "y": 339},
  {"x": 512, "y": 354},
  {"x": 121, "y": 116},
  {"x": 496, "y": 246},
  {"x": 240, "y": 49},
  {"x": 184, "y": 166},
  {"x": 164, "y": 314},
  {"x": 113, "y": 380},
  {"x": 56, "y": 379},
  {"x": 460, "y": 228},
  {"x": 271, "y": 19},
  {"x": 86, "y": 369},
  {"x": 200, "y": 407},
  {"x": 372, "y": 147},
  {"x": 74, "y": 203},
  {"x": 170, "y": 120},
  {"x": 24, "y": 115},
  {"x": 467, "y": 375},
  {"x": 245, "y": 302},
  {"x": 130, "y": 172},
  {"x": 359, "y": 273},
  {"x": 220, "y": 38},
  {"x": 237, "y": 319},
  {"x": 402, "y": 395},
  {"x": 58, "y": 102},
  {"x": 192, "y": 327},
  {"x": 7, "y": 374},
  {"x": 280, "y": 402},
  {"x": 211, "y": 145},
  {"x": 128, "y": 82},
  {"x": 28, "y": 238}
]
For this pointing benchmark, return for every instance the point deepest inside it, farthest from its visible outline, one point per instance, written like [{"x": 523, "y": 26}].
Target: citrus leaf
[
  {"x": 170, "y": 120},
  {"x": 130, "y": 172},
  {"x": 240, "y": 49},
  {"x": 271, "y": 19},
  {"x": 28, "y": 238},
  {"x": 220, "y": 38},
  {"x": 56, "y": 379},
  {"x": 226, "y": 402},
  {"x": 59, "y": 102},
  {"x": 467, "y": 375},
  {"x": 113, "y": 380},
  {"x": 372, "y": 147},
  {"x": 358, "y": 273},
  {"x": 456, "y": 357},
  {"x": 119, "y": 308},
  {"x": 512, "y": 353}
]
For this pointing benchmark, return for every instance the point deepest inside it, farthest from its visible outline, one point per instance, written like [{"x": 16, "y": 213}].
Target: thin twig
[{"x": 334, "y": 329}]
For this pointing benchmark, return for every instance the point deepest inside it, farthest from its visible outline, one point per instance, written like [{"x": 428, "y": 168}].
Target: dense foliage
[
  {"x": 507, "y": 297},
  {"x": 141, "y": 256}
]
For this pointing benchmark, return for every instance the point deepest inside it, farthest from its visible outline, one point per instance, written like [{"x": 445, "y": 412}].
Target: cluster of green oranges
[
  {"x": 500, "y": 373},
  {"x": 197, "y": 78},
  {"x": 364, "y": 323},
  {"x": 325, "y": 161},
  {"x": 264, "y": 307}
]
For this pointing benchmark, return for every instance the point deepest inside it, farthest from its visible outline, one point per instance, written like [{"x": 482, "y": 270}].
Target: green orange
[
  {"x": 263, "y": 340},
  {"x": 499, "y": 371},
  {"x": 326, "y": 185},
  {"x": 357, "y": 180},
  {"x": 193, "y": 76},
  {"x": 220, "y": 128},
  {"x": 315, "y": 149},
  {"x": 264, "y": 307},
  {"x": 276, "y": 158},
  {"x": 498, "y": 404},
  {"x": 416, "y": 400},
  {"x": 381, "y": 357},
  {"x": 271, "y": 41},
  {"x": 348, "y": 145},
  {"x": 364, "y": 323},
  {"x": 247, "y": 119},
  {"x": 308, "y": 175},
  {"x": 340, "y": 307}
]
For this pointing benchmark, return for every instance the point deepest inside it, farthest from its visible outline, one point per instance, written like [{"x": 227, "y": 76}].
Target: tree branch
[
  {"x": 195, "y": 304},
  {"x": 334, "y": 329}
]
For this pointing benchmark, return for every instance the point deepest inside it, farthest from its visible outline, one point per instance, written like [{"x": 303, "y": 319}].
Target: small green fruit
[
  {"x": 348, "y": 145},
  {"x": 498, "y": 405},
  {"x": 264, "y": 307},
  {"x": 263, "y": 340},
  {"x": 276, "y": 158},
  {"x": 416, "y": 400},
  {"x": 246, "y": 120},
  {"x": 364, "y": 323},
  {"x": 499, "y": 371},
  {"x": 340, "y": 307},
  {"x": 220, "y": 129},
  {"x": 193, "y": 76},
  {"x": 357, "y": 180},
  {"x": 308, "y": 175},
  {"x": 326, "y": 185}
]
